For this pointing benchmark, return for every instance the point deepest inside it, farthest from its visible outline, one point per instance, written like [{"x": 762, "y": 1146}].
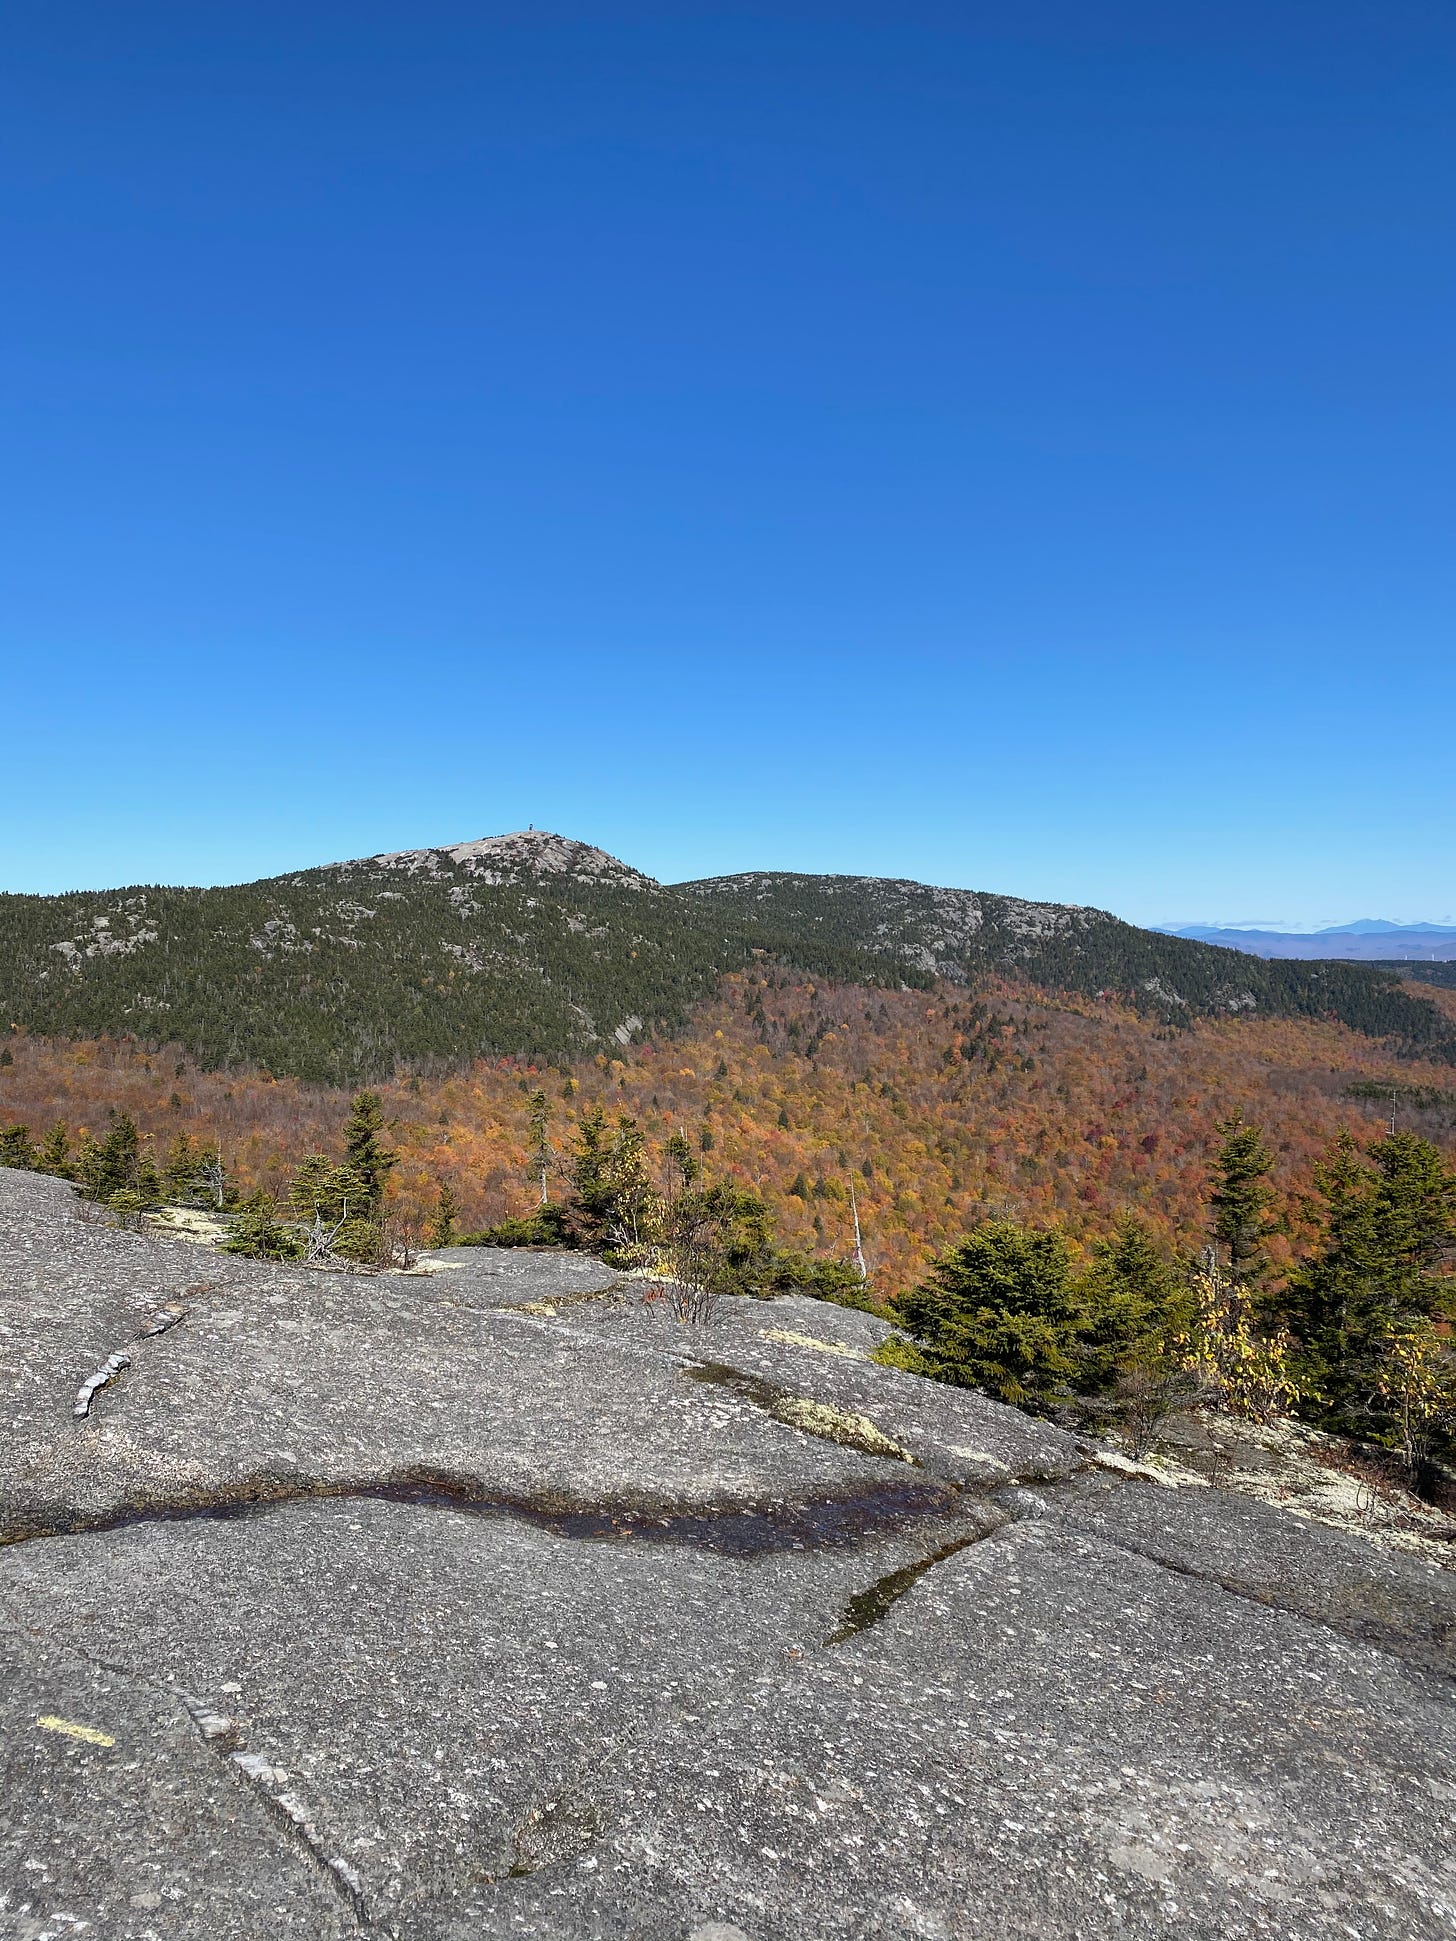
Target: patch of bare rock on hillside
[{"x": 493, "y": 1603}]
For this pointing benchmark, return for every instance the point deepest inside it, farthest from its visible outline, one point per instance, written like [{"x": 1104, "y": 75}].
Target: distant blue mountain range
[{"x": 1368, "y": 940}]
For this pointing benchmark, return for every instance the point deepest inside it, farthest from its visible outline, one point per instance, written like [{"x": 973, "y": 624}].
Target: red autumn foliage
[{"x": 943, "y": 1108}]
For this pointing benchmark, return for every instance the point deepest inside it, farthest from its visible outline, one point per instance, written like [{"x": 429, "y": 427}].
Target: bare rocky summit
[
  {"x": 525, "y": 856},
  {"x": 492, "y": 1602}
]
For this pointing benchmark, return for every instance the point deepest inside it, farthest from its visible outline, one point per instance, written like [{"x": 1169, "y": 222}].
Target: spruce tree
[
  {"x": 113, "y": 1165},
  {"x": 447, "y": 1212},
  {"x": 55, "y": 1152},
  {"x": 364, "y": 1150},
  {"x": 997, "y": 1312},
  {"x": 591, "y": 1186},
  {"x": 540, "y": 1145},
  {"x": 322, "y": 1191},
  {"x": 1131, "y": 1301},
  {"x": 1241, "y": 1198},
  {"x": 682, "y": 1167},
  {"x": 184, "y": 1161},
  {"x": 1389, "y": 1228}
]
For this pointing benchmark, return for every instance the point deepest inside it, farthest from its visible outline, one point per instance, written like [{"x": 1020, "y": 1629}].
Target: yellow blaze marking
[{"x": 49, "y": 1723}]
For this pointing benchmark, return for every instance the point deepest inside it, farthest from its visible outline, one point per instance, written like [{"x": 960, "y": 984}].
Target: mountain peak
[{"x": 522, "y": 855}]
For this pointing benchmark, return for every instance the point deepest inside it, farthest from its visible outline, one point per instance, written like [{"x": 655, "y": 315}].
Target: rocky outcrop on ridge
[
  {"x": 524, "y": 856},
  {"x": 492, "y": 1602}
]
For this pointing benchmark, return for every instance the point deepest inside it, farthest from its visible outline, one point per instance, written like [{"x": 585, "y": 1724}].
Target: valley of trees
[
  {"x": 940, "y": 1109},
  {"x": 1352, "y": 1332}
]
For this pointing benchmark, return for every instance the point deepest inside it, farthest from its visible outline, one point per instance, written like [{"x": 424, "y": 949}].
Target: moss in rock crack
[
  {"x": 869, "y": 1606},
  {"x": 839, "y": 1425},
  {"x": 800, "y": 1412}
]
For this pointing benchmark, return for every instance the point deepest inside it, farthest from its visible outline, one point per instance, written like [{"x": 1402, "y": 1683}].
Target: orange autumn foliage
[{"x": 942, "y": 1107}]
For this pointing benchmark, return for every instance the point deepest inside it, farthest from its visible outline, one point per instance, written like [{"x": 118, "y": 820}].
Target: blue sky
[{"x": 1008, "y": 446}]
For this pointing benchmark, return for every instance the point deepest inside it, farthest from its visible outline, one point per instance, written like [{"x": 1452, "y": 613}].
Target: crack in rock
[
  {"x": 801, "y": 1412},
  {"x": 867, "y": 1607},
  {"x": 733, "y": 1529},
  {"x": 221, "y": 1735},
  {"x": 1353, "y": 1632},
  {"x": 269, "y": 1783},
  {"x": 164, "y": 1318}
]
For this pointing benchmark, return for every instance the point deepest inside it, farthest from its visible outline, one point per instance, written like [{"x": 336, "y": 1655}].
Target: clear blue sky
[{"x": 1005, "y": 445}]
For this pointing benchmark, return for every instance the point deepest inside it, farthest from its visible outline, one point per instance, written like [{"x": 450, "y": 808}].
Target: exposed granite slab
[
  {"x": 1379, "y": 1595},
  {"x": 119, "y": 1818},
  {"x": 276, "y": 1382},
  {"x": 1043, "y": 1737},
  {"x": 558, "y": 1619},
  {"x": 449, "y": 1695}
]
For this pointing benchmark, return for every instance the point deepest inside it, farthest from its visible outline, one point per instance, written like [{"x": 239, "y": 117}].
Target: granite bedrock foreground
[{"x": 494, "y": 1603}]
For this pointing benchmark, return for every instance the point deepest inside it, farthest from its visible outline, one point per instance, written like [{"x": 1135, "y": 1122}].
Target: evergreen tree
[
  {"x": 1388, "y": 1230},
  {"x": 681, "y": 1166},
  {"x": 447, "y": 1212},
  {"x": 364, "y": 1149},
  {"x": 17, "y": 1148},
  {"x": 1241, "y": 1198},
  {"x": 997, "y": 1312},
  {"x": 55, "y": 1152},
  {"x": 184, "y": 1161},
  {"x": 258, "y": 1232},
  {"x": 322, "y": 1192},
  {"x": 591, "y": 1187},
  {"x": 1131, "y": 1303},
  {"x": 113, "y": 1165},
  {"x": 540, "y": 1147},
  {"x": 149, "y": 1188}
]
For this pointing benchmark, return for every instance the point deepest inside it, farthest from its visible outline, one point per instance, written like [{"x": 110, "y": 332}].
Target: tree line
[{"x": 1355, "y": 1337}]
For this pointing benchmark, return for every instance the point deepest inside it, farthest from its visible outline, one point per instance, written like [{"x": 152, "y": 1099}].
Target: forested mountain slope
[
  {"x": 529, "y": 944},
  {"x": 962, "y": 935},
  {"x": 538, "y": 945}
]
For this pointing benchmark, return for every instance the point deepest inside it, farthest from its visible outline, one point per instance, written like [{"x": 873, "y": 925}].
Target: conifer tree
[
  {"x": 1241, "y": 1198},
  {"x": 55, "y": 1152},
  {"x": 447, "y": 1212},
  {"x": 364, "y": 1149},
  {"x": 112, "y": 1166},
  {"x": 184, "y": 1161},
  {"x": 322, "y": 1192},
  {"x": 997, "y": 1312},
  {"x": 149, "y": 1187},
  {"x": 539, "y": 1120},
  {"x": 1131, "y": 1301},
  {"x": 591, "y": 1188},
  {"x": 1375, "y": 1281},
  {"x": 681, "y": 1165}
]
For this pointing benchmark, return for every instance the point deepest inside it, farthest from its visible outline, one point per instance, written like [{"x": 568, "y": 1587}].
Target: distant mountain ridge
[
  {"x": 1370, "y": 940},
  {"x": 537, "y": 944}
]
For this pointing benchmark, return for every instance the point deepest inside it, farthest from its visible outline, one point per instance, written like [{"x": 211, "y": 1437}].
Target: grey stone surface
[
  {"x": 117, "y": 1819},
  {"x": 1382, "y": 1596},
  {"x": 497, "y": 1604}
]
